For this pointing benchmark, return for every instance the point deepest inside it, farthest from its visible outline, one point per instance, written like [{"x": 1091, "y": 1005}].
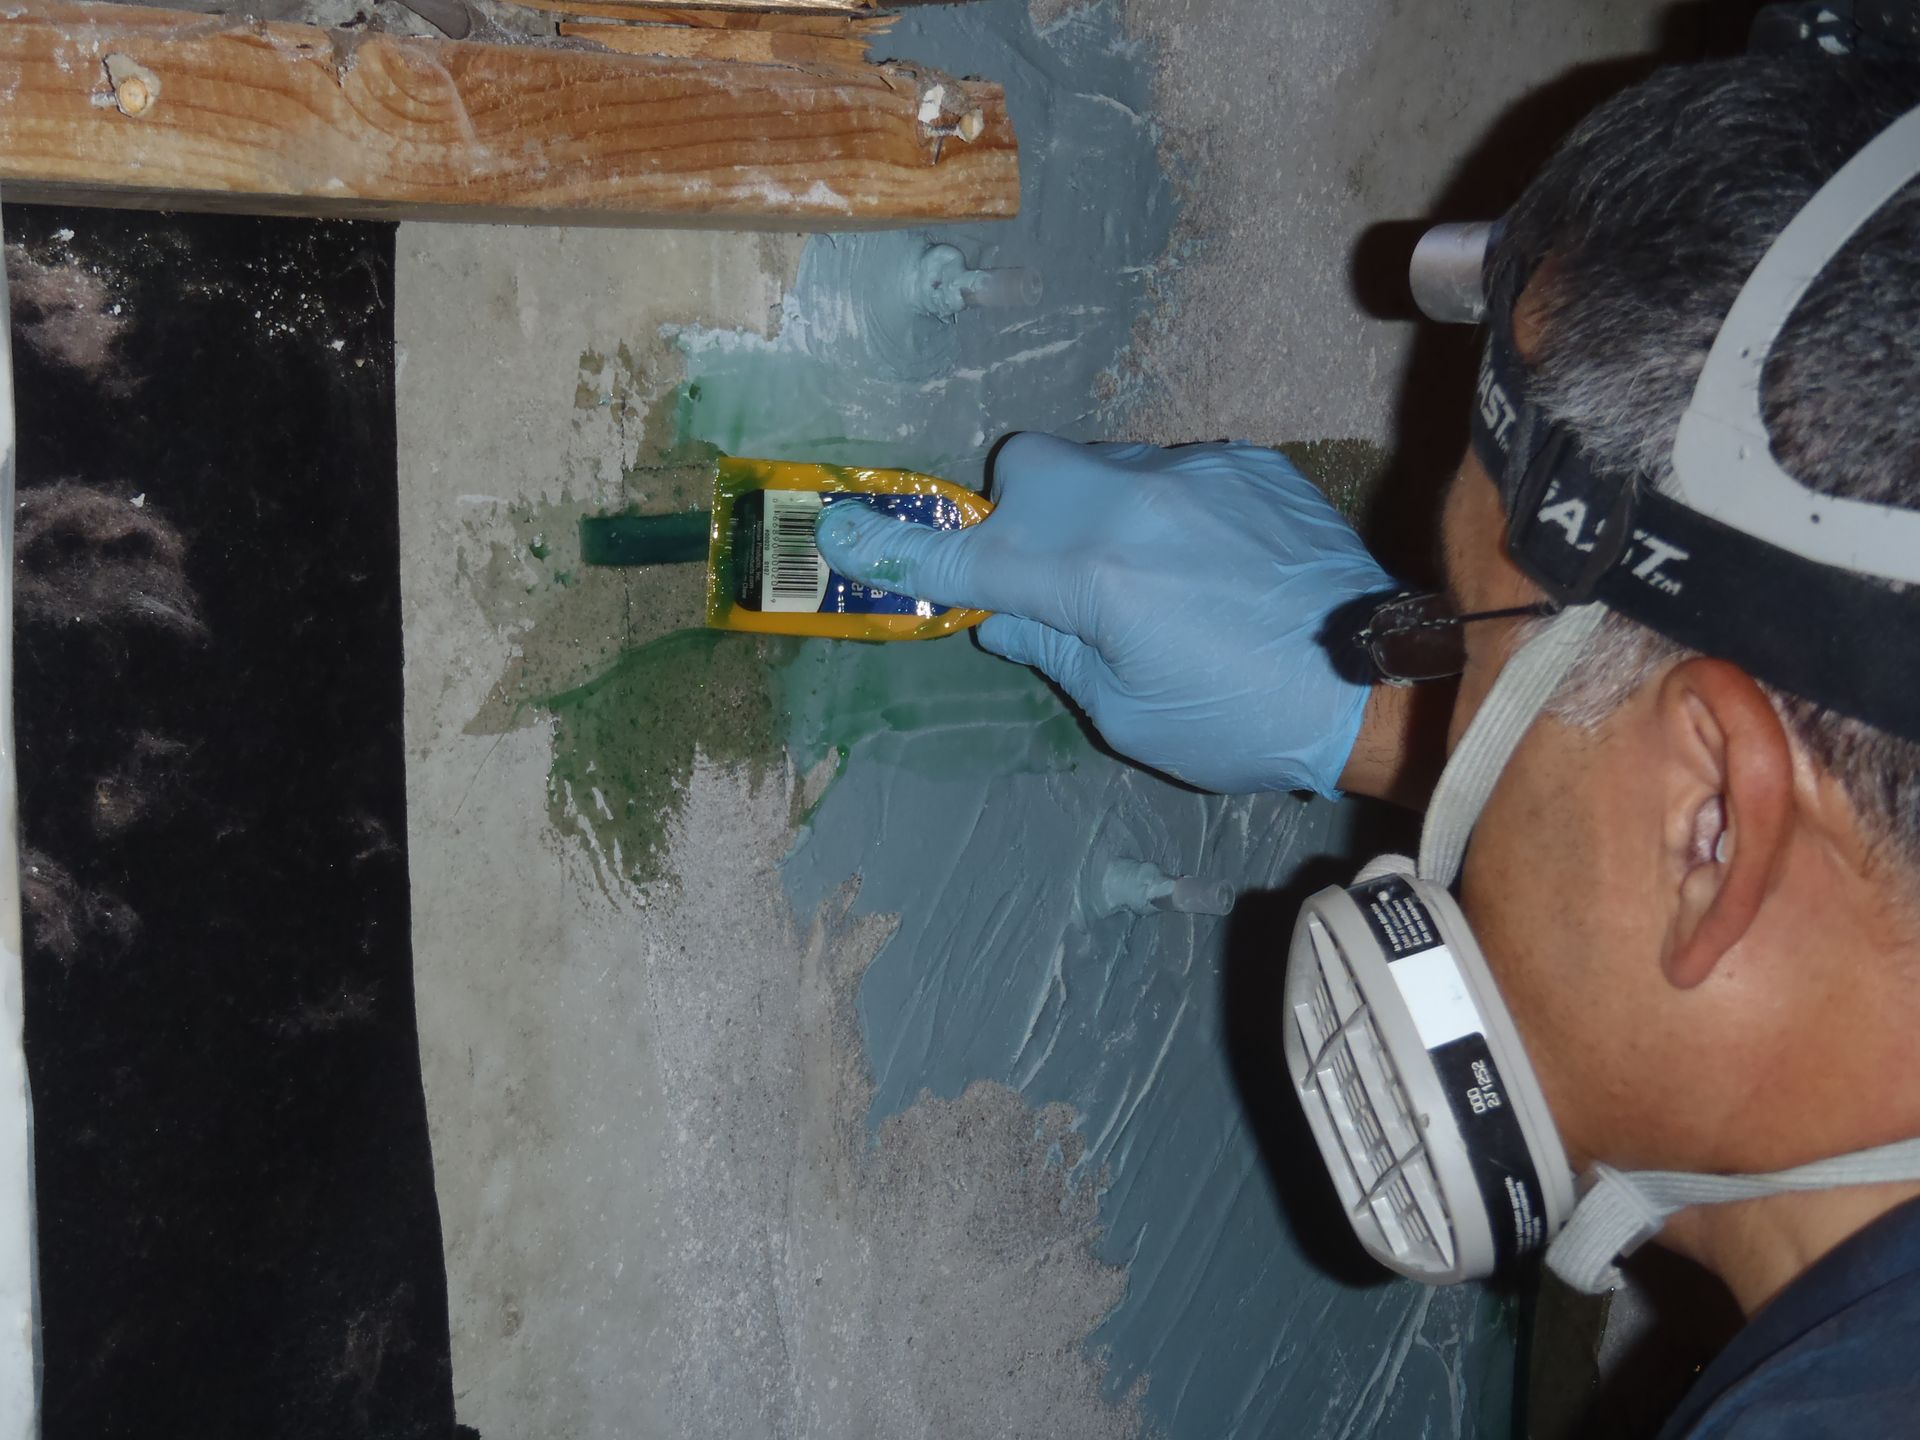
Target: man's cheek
[
  {"x": 1475, "y": 681},
  {"x": 1520, "y": 932},
  {"x": 1520, "y": 886}
]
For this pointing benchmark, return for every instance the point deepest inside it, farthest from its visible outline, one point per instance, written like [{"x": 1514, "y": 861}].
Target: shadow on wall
[
  {"x": 1252, "y": 977},
  {"x": 1430, "y": 411}
]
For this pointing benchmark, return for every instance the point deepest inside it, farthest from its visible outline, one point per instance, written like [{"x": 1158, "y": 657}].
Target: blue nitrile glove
[{"x": 1178, "y": 595}]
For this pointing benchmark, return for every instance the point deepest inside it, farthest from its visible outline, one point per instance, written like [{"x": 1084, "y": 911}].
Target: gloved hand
[{"x": 1178, "y": 595}]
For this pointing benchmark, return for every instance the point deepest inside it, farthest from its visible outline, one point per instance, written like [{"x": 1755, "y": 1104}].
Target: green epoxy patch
[
  {"x": 624, "y": 742},
  {"x": 637, "y": 691},
  {"x": 571, "y": 621},
  {"x": 774, "y": 405},
  {"x": 936, "y": 707},
  {"x": 626, "y": 737}
]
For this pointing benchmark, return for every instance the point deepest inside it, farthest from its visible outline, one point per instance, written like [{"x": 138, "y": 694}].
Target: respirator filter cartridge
[{"x": 1414, "y": 1082}]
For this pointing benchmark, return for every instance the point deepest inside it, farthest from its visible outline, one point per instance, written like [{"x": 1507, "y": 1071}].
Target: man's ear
[{"x": 1730, "y": 809}]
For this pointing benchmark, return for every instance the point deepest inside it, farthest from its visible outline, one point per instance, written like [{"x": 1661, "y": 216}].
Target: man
[{"x": 1699, "y": 892}]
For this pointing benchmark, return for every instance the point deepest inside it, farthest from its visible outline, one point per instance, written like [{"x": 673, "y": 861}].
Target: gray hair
[{"x": 1651, "y": 215}]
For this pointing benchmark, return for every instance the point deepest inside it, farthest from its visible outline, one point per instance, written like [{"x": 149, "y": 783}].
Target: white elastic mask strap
[
  {"x": 1622, "y": 1211},
  {"x": 1523, "y": 688}
]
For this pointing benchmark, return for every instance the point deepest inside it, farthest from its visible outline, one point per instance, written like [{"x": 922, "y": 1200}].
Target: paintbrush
[{"x": 764, "y": 570}]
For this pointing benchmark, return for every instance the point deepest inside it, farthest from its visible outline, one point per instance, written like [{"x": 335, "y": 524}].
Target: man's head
[{"x": 1700, "y": 895}]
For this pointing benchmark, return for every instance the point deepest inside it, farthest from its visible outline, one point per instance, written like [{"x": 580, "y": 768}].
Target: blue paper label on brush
[{"x": 784, "y": 570}]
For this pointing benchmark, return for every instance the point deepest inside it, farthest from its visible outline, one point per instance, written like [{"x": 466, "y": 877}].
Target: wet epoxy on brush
[{"x": 681, "y": 538}]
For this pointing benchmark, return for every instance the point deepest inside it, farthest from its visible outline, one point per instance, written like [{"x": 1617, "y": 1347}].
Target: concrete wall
[{"x": 778, "y": 1086}]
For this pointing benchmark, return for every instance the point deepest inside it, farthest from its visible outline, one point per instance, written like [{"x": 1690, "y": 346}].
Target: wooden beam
[
  {"x": 756, "y": 46},
  {"x": 121, "y": 105},
  {"x": 786, "y": 22},
  {"x": 783, "y": 8}
]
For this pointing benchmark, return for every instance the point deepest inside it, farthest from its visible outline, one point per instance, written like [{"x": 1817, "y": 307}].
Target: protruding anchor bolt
[
  {"x": 943, "y": 286},
  {"x": 1144, "y": 888}
]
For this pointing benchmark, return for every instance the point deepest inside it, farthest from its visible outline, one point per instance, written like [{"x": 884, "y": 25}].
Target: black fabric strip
[
  {"x": 1499, "y": 401},
  {"x": 1831, "y": 636},
  {"x": 238, "y": 1236}
]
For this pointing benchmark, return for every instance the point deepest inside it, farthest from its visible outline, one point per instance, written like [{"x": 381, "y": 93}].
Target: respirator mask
[{"x": 1414, "y": 1079}]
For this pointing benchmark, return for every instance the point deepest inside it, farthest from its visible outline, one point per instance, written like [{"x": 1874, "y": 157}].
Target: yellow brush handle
[{"x": 736, "y": 477}]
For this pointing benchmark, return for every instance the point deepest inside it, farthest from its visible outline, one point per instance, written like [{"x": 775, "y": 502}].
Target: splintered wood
[{"x": 772, "y": 128}]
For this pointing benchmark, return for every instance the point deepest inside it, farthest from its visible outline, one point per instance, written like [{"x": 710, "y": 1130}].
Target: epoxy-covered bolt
[
  {"x": 1144, "y": 888},
  {"x": 940, "y": 284}
]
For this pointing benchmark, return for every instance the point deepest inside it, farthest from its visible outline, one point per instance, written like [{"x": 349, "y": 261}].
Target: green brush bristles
[{"x": 677, "y": 539}]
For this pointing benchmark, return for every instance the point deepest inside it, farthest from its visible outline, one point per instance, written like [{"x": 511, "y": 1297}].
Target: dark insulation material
[{"x": 237, "y": 1226}]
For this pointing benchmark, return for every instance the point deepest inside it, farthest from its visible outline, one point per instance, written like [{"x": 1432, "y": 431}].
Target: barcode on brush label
[{"x": 793, "y": 577}]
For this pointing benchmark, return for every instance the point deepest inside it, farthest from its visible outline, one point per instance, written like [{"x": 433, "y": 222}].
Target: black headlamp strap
[
  {"x": 1500, "y": 408},
  {"x": 1566, "y": 521},
  {"x": 1846, "y": 641}
]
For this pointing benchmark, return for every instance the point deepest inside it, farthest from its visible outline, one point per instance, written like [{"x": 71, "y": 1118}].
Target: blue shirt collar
[{"x": 1881, "y": 1254}]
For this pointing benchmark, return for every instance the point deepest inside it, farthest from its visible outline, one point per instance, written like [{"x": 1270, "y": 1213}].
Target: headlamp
[{"x": 1446, "y": 269}]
